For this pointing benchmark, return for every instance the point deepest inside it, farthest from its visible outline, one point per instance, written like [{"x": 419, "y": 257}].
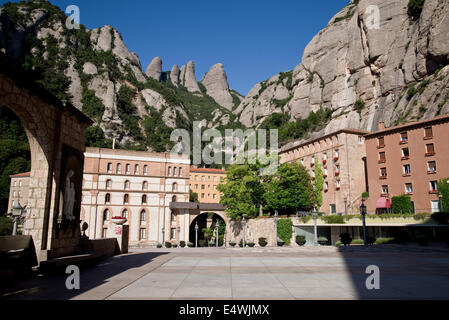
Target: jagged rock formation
[
  {"x": 398, "y": 72},
  {"x": 188, "y": 78},
  {"x": 216, "y": 84},
  {"x": 154, "y": 70},
  {"x": 174, "y": 75}
]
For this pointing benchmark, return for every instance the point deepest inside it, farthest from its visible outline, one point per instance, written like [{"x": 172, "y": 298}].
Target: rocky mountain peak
[
  {"x": 216, "y": 83},
  {"x": 189, "y": 78},
  {"x": 154, "y": 69}
]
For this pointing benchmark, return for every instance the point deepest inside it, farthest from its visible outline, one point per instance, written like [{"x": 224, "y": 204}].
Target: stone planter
[{"x": 119, "y": 221}]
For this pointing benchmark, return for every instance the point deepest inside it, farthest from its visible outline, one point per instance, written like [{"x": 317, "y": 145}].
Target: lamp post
[
  {"x": 163, "y": 235},
  {"x": 440, "y": 198},
  {"x": 196, "y": 234},
  {"x": 244, "y": 231},
  {"x": 388, "y": 203},
  {"x": 216, "y": 232},
  {"x": 276, "y": 219},
  {"x": 346, "y": 205},
  {"x": 315, "y": 228},
  {"x": 363, "y": 213},
  {"x": 179, "y": 234},
  {"x": 17, "y": 211}
]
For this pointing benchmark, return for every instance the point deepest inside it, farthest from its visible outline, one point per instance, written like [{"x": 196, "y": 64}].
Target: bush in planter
[
  {"x": 232, "y": 243},
  {"x": 202, "y": 243},
  {"x": 370, "y": 240},
  {"x": 345, "y": 239},
  {"x": 251, "y": 244},
  {"x": 159, "y": 245},
  {"x": 263, "y": 242},
  {"x": 423, "y": 239},
  {"x": 301, "y": 240},
  {"x": 212, "y": 243},
  {"x": 323, "y": 241},
  {"x": 190, "y": 244},
  {"x": 241, "y": 243},
  {"x": 280, "y": 243},
  {"x": 182, "y": 244},
  {"x": 174, "y": 245},
  {"x": 167, "y": 244}
]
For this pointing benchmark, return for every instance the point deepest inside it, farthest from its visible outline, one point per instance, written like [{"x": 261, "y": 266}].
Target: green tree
[
  {"x": 242, "y": 191},
  {"x": 290, "y": 189},
  {"x": 285, "y": 230},
  {"x": 443, "y": 187},
  {"x": 401, "y": 204},
  {"x": 193, "y": 196},
  {"x": 319, "y": 184}
]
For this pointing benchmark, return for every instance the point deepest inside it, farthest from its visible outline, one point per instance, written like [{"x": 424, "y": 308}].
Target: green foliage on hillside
[
  {"x": 128, "y": 112},
  {"x": 92, "y": 105},
  {"x": 95, "y": 138},
  {"x": 415, "y": 8},
  {"x": 14, "y": 153},
  {"x": 157, "y": 133}
]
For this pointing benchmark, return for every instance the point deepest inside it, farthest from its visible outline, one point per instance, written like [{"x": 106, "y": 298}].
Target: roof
[
  {"x": 207, "y": 170},
  {"x": 197, "y": 206},
  {"x": 19, "y": 175},
  {"x": 301, "y": 142},
  {"x": 408, "y": 126}
]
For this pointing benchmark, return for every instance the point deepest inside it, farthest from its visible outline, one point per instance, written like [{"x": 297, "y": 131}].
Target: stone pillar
[{"x": 121, "y": 233}]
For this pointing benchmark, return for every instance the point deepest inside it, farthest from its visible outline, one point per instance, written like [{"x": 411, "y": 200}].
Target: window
[
  {"x": 145, "y": 169},
  {"x": 20, "y": 183},
  {"x": 126, "y": 199},
  {"x": 326, "y": 185},
  {"x": 405, "y": 153},
  {"x": 408, "y": 188},
  {"x": 125, "y": 214},
  {"x": 143, "y": 216},
  {"x": 104, "y": 233},
  {"x": 196, "y": 178},
  {"x": 383, "y": 172},
  {"x": 215, "y": 187},
  {"x": 360, "y": 139},
  {"x": 196, "y": 187},
  {"x": 215, "y": 179},
  {"x": 202, "y": 196},
  {"x": 381, "y": 142},
  {"x": 302, "y": 162},
  {"x": 338, "y": 184},
  {"x": 119, "y": 168},
  {"x": 325, "y": 156},
  {"x": 428, "y": 132},
  {"x": 430, "y": 149},
  {"x": 175, "y": 171},
  {"x": 432, "y": 166},
  {"x": 215, "y": 196},
  {"x": 435, "y": 206},
  {"x": 173, "y": 233},
  {"x": 203, "y": 178},
  {"x": 107, "y": 198},
  {"x": 14, "y": 194},
  {"x": 108, "y": 184},
  {"x": 109, "y": 167},
  {"x": 404, "y": 137},
  {"x": 173, "y": 217},
  {"x": 174, "y": 198},
  {"x": 333, "y": 209},
  {"x": 127, "y": 184},
  {"x": 145, "y": 185},
  {"x": 128, "y": 168},
  {"x": 174, "y": 187},
  {"x": 106, "y": 215},
  {"x": 384, "y": 189},
  {"x": 136, "y": 169},
  {"x": 142, "y": 234},
  {"x": 144, "y": 199},
  {"x": 406, "y": 170},
  {"x": 180, "y": 172},
  {"x": 433, "y": 186},
  {"x": 382, "y": 157},
  {"x": 169, "y": 171},
  {"x": 15, "y": 183},
  {"x": 203, "y": 187}
]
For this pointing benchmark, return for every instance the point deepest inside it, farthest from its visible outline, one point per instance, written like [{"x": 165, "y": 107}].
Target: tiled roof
[
  {"x": 25, "y": 174},
  {"x": 207, "y": 170}
]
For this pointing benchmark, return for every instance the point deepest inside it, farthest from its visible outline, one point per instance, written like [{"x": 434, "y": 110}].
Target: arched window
[
  {"x": 108, "y": 184},
  {"x": 109, "y": 167},
  {"x": 180, "y": 172},
  {"x": 175, "y": 171},
  {"x": 128, "y": 168},
  {"x": 106, "y": 215},
  {"x": 169, "y": 171},
  {"x": 136, "y": 169},
  {"x": 144, "y": 199},
  {"x": 107, "y": 198},
  {"x": 143, "y": 216},
  {"x": 119, "y": 168},
  {"x": 145, "y": 169},
  {"x": 173, "y": 199},
  {"x": 127, "y": 184},
  {"x": 126, "y": 199},
  {"x": 125, "y": 213},
  {"x": 145, "y": 185},
  {"x": 174, "y": 187},
  {"x": 173, "y": 217}
]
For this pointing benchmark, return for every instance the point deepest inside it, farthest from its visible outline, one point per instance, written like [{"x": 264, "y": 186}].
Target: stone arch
[{"x": 204, "y": 220}]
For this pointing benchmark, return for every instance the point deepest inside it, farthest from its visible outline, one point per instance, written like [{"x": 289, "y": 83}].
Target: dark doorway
[{"x": 207, "y": 234}]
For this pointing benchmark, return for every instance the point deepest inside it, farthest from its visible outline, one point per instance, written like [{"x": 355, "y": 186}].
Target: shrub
[
  {"x": 370, "y": 240},
  {"x": 423, "y": 239},
  {"x": 182, "y": 244},
  {"x": 358, "y": 241},
  {"x": 415, "y": 8},
  {"x": 411, "y": 92},
  {"x": 401, "y": 204},
  {"x": 359, "y": 106},
  {"x": 174, "y": 245},
  {"x": 280, "y": 243},
  {"x": 167, "y": 244},
  {"x": 232, "y": 243},
  {"x": 384, "y": 241},
  {"x": 241, "y": 243},
  {"x": 300, "y": 240},
  {"x": 323, "y": 241},
  {"x": 251, "y": 244},
  {"x": 345, "y": 239},
  {"x": 190, "y": 245},
  {"x": 334, "y": 219},
  {"x": 263, "y": 242},
  {"x": 202, "y": 243},
  {"x": 285, "y": 230},
  {"x": 159, "y": 245},
  {"x": 6, "y": 226}
]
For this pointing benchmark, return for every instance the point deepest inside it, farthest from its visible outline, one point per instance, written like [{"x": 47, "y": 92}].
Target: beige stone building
[
  {"x": 342, "y": 156},
  {"x": 19, "y": 190},
  {"x": 204, "y": 182},
  {"x": 139, "y": 186}
]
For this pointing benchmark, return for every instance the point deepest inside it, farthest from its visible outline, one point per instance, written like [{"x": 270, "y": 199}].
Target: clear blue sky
[{"x": 254, "y": 39}]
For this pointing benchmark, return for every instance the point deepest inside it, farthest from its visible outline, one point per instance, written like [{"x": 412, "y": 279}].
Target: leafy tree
[
  {"x": 290, "y": 189},
  {"x": 6, "y": 226},
  {"x": 95, "y": 138},
  {"x": 242, "y": 191},
  {"x": 193, "y": 196},
  {"x": 443, "y": 187},
  {"x": 285, "y": 230},
  {"x": 401, "y": 204},
  {"x": 319, "y": 184}
]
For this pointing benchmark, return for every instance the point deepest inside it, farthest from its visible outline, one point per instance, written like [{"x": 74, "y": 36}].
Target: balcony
[
  {"x": 402, "y": 142},
  {"x": 430, "y": 154},
  {"x": 428, "y": 138},
  {"x": 324, "y": 176},
  {"x": 337, "y": 188},
  {"x": 384, "y": 195},
  {"x": 382, "y": 161},
  {"x": 384, "y": 177},
  {"x": 312, "y": 164},
  {"x": 431, "y": 172},
  {"x": 336, "y": 158},
  {"x": 433, "y": 192},
  {"x": 337, "y": 173},
  {"x": 381, "y": 146},
  {"x": 406, "y": 175},
  {"x": 324, "y": 161},
  {"x": 405, "y": 158},
  {"x": 326, "y": 190}
]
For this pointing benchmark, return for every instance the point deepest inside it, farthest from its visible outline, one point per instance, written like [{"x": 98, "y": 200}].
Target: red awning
[{"x": 381, "y": 203}]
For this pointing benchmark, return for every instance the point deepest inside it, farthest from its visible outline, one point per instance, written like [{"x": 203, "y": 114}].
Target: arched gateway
[{"x": 55, "y": 133}]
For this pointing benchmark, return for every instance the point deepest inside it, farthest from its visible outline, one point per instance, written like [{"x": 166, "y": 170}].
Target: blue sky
[{"x": 254, "y": 39}]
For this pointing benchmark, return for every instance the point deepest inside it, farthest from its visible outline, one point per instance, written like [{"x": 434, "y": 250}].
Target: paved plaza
[{"x": 283, "y": 273}]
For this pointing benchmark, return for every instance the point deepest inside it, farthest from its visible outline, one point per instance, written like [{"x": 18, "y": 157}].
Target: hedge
[{"x": 285, "y": 230}]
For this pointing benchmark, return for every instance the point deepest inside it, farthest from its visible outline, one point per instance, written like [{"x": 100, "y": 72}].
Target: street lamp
[
  {"x": 388, "y": 203},
  {"x": 163, "y": 234},
  {"x": 179, "y": 233},
  {"x": 216, "y": 232},
  {"x": 363, "y": 213},
  {"x": 276, "y": 219},
  {"x": 346, "y": 205},
  {"x": 315, "y": 228},
  {"x": 196, "y": 234},
  {"x": 244, "y": 231},
  {"x": 17, "y": 211}
]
